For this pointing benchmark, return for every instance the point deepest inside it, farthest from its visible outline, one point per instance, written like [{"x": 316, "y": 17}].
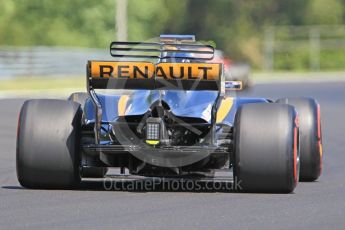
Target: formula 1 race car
[{"x": 176, "y": 116}]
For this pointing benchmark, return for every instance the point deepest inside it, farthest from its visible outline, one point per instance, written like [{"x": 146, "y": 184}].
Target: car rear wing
[
  {"x": 179, "y": 64},
  {"x": 167, "y": 49},
  {"x": 146, "y": 75}
]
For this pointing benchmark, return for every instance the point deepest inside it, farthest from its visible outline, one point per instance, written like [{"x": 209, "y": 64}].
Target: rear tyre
[
  {"x": 310, "y": 136},
  {"x": 48, "y": 144},
  {"x": 266, "y": 148}
]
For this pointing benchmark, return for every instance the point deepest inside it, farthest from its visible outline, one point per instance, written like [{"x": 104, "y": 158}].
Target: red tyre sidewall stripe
[
  {"x": 319, "y": 135},
  {"x": 318, "y": 122},
  {"x": 295, "y": 148}
]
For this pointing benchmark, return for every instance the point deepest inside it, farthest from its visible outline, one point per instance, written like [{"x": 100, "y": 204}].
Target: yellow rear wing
[{"x": 146, "y": 75}]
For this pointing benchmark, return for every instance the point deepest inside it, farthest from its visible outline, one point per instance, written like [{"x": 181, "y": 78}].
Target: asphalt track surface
[{"x": 317, "y": 205}]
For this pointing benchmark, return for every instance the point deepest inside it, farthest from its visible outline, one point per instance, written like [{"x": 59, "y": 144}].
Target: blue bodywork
[{"x": 193, "y": 104}]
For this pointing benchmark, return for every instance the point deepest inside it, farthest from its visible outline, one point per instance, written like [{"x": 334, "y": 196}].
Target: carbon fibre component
[{"x": 161, "y": 50}]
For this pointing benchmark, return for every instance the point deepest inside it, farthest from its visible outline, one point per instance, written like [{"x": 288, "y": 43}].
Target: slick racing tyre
[
  {"x": 48, "y": 144},
  {"x": 266, "y": 148},
  {"x": 310, "y": 136}
]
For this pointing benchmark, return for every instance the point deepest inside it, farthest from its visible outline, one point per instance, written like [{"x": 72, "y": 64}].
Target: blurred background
[{"x": 44, "y": 44}]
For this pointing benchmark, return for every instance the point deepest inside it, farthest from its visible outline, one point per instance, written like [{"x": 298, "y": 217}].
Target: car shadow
[
  {"x": 12, "y": 187},
  {"x": 145, "y": 185},
  {"x": 149, "y": 185},
  {"x": 154, "y": 185}
]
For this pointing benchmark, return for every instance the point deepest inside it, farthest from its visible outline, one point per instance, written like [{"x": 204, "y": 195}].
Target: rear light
[{"x": 153, "y": 130}]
